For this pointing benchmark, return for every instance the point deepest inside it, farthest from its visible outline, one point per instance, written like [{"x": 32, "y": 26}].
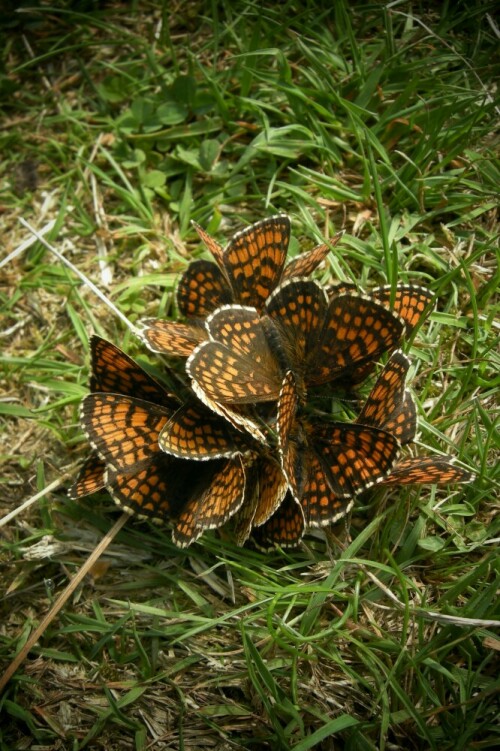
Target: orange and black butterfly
[
  {"x": 320, "y": 341},
  {"x": 423, "y": 470},
  {"x": 328, "y": 463},
  {"x": 285, "y": 528},
  {"x": 245, "y": 272},
  {"x": 114, "y": 372},
  {"x": 391, "y": 407},
  {"x": 123, "y": 422},
  {"x": 315, "y": 464},
  {"x": 410, "y": 302},
  {"x": 196, "y": 433}
]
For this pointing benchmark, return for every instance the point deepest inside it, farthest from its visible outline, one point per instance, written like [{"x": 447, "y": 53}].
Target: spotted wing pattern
[
  {"x": 327, "y": 463},
  {"x": 195, "y": 432},
  {"x": 202, "y": 288},
  {"x": 240, "y": 368},
  {"x": 305, "y": 263},
  {"x": 298, "y": 309},
  {"x": 265, "y": 490},
  {"x": 342, "y": 460},
  {"x": 254, "y": 259},
  {"x": 211, "y": 243},
  {"x": 289, "y": 446},
  {"x": 240, "y": 417},
  {"x": 248, "y": 270},
  {"x": 329, "y": 339},
  {"x": 389, "y": 405},
  {"x": 122, "y": 430},
  {"x": 213, "y": 504},
  {"x": 270, "y": 335},
  {"x": 320, "y": 503},
  {"x": 301, "y": 331},
  {"x": 115, "y": 372},
  {"x": 170, "y": 337},
  {"x": 167, "y": 489},
  {"x": 423, "y": 470},
  {"x": 272, "y": 489},
  {"x": 91, "y": 478},
  {"x": 410, "y": 302},
  {"x": 357, "y": 331},
  {"x": 285, "y": 528},
  {"x": 155, "y": 491}
]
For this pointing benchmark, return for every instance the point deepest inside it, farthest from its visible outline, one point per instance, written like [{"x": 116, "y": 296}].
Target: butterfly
[
  {"x": 409, "y": 301},
  {"x": 113, "y": 371},
  {"x": 245, "y": 272},
  {"x": 389, "y": 407},
  {"x": 124, "y": 430},
  {"x": 419, "y": 470},
  {"x": 285, "y": 528},
  {"x": 197, "y": 433},
  {"x": 301, "y": 330},
  {"x": 328, "y": 463}
]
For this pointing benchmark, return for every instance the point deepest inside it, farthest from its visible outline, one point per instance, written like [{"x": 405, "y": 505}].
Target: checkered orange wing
[
  {"x": 304, "y": 264},
  {"x": 211, "y": 504},
  {"x": 115, "y": 372},
  {"x": 353, "y": 457},
  {"x": 240, "y": 369},
  {"x": 272, "y": 489},
  {"x": 254, "y": 259},
  {"x": 122, "y": 430},
  {"x": 389, "y": 405},
  {"x": 202, "y": 288},
  {"x": 356, "y": 332},
  {"x": 298, "y": 308},
  {"x": 243, "y": 519},
  {"x": 169, "y": 337},
  {"x": 195, "y": 432},
  {"x": 290, "y": 443},
  {"x": 91, "y": 478},
  {"x": 321, "y": 505},
  {"x": 411, "y": 302},
  {"x": 241, "y": 330},
  {"x": 343, "y": 460},
  {"x": 229, "y": 378},
  {"x": 211, "y": 243},
  {"x": 154, "y": 491},
  {"x": 285, "y": 528},
  {"x": 265, "y": 489},
  {"x": 427, "y": 470}
]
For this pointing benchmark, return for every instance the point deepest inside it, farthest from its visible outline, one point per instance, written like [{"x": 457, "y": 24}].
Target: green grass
[{"x": 138, "y": 119}]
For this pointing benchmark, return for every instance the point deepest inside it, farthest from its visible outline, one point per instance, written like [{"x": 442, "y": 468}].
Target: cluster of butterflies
[{"x": 248, "y": 434}]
